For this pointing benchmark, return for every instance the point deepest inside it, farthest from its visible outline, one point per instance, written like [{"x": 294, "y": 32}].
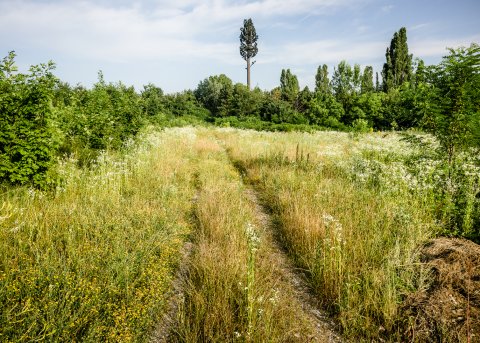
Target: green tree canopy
[
  {"x": 289, "y": 87},
  {"x": 454, "y": 100},
  {"x": 215, "y": 93},
  {"x": 322, "y": 83},
  {"x": 398, "y": 66},
  {"x": 367, "y": 80},
  {"x": 27, "y": 133}
]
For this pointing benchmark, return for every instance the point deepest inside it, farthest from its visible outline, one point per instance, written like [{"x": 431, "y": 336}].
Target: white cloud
[
  {"x": 438, "y": 47},
  {"x": 179, "y": 34},
  {"x": 142, "y": 31},
  {"x": 328, "y": 52}
]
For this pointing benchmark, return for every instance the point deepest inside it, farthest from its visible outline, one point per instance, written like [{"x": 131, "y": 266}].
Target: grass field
[{"x": 95, "y": 261}]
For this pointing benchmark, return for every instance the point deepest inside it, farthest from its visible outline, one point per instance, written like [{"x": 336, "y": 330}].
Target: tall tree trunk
[{"x": 248, "y": 73}]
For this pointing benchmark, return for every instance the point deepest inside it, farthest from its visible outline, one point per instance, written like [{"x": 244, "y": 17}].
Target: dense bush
[{"x": 28, "y": 138}]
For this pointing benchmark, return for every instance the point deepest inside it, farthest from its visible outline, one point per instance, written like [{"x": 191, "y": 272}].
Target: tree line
[{"x": 42, "y": 118}]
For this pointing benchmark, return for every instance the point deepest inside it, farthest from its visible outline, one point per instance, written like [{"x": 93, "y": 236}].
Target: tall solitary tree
[
  {"x": 398, "y": 67},
  {"x": 248, "y": 45}
]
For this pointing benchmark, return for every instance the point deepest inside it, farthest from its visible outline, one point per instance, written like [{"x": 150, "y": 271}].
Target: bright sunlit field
[{"x": 94, "y": 261}]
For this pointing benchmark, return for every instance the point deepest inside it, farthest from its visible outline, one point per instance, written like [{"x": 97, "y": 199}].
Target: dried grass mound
[{"x": 449, "y": 310}]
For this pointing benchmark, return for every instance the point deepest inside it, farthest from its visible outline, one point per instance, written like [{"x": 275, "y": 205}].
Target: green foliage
[
  {"x": 450, "y": 102},
  {"x": 342, "y": 84},
  {"x": 454, "y": 100},
  {"x": 245, "y": 102},
  {"x": 372, "y": 104},
  {"x": 324, "y": 110},
  {"x": 289, "y": 87},
  {"x": 322, "y": 83},
  {"x": 367, "y": 80},
  {"x": 248, "y": 40},
  {"x": 215, "y": 93},
  {"x": 398, "y": 66},
  {"x": 103, "y": 117},
  {"x": 280, "y": 111},
  {"x": 356, "y": 78},
  {"x": 28, "y": 138},
  {"x": 151, "y": 100},
  {"x": 184, "y": 104},
  {"x": 360, "y": 126}
]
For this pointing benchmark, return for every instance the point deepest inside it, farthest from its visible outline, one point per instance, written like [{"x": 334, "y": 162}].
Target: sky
[{"x": 177, "y": 44}]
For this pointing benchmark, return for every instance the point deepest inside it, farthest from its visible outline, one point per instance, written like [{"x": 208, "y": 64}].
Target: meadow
[{"x": 97, "y": 259}]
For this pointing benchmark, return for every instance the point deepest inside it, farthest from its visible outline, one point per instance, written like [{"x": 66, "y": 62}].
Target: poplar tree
[
  {"x": 398, "y": 66},
  {"x": 289, "y": 87},
  {"x": 248, "y": 45},
  {"x": 367, "y": 80},
  {"x": 356, "y": 78},
  {"x": 322, "y": 83}
]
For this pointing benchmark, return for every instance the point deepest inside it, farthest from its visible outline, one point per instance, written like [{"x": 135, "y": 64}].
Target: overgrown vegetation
[
  {"x": 234, "y": 291},
  {"x": 94, "y": 206},
  {"x": 352, "y": 212},
  {"x": 94, "y": 261}
]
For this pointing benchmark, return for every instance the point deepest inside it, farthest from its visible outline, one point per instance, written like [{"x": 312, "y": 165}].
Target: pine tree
[{"x": 248, "y": 45}]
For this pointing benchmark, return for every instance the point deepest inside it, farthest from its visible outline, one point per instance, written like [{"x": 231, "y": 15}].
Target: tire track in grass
[
  {"x": 325, "y": 328},
  {"x": 219, "y": 296}
]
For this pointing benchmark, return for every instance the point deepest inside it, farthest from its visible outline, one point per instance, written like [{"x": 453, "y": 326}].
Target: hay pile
[{"x": 449, "y": 310}]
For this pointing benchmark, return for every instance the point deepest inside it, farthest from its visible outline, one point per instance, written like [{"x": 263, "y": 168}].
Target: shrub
[{"x": 27, "y": 136}]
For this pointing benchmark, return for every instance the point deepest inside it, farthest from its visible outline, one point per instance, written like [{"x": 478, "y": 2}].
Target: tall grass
[
  {"x": 94, "y": 261},
  {"x": 355, "y": 234},
  {"x": 235, "y": 290}
]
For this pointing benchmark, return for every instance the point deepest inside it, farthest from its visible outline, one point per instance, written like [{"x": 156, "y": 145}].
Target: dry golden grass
[
  {"x": 357, "y": 243},
  {"x": 234, "y": 290},
  {"x": 95, "y": 261}
]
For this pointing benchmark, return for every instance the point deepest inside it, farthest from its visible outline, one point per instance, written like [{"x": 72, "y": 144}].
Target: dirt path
[
  {"x": 290, "y": 280},
  {"x": 324, "y": 327},
  {"x": 325, "y": 330}
]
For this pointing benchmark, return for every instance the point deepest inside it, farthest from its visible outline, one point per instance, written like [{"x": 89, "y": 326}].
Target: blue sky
[{"x": 176, "y": 44}]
